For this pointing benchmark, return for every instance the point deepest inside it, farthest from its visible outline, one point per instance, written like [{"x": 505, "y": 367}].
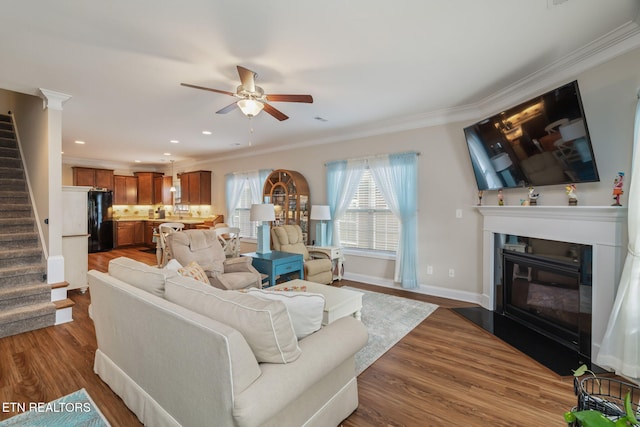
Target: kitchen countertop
[{"x": 184, "y": 220}]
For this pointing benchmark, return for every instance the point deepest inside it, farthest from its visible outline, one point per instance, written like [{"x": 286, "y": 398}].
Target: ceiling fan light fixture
[{"x": 250, "y": 107}]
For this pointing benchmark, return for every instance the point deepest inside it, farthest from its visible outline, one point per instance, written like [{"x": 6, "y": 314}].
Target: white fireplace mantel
[{"x": 602, "y": 227}]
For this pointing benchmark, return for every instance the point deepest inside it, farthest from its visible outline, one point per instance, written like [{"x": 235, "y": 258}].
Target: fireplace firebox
[{"x": 546, "y": 286}]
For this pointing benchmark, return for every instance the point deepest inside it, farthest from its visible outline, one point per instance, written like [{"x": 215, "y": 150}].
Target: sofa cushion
[
  {"x": 140, "y": 275},
  {"x": 305, "y": 308},
  {"x": 194, "y": 271},
  {"x": 265, "y": 324}
]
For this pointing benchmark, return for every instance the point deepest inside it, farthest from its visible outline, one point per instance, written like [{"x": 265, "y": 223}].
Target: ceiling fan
[{"x": 252, "y": 99}]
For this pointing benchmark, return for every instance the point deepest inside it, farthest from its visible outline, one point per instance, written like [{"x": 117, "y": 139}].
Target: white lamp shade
[
  {"x": 320, "y": 212},
  {"x": 262, "y": 212},
  {"x": 250, "y": 107}
]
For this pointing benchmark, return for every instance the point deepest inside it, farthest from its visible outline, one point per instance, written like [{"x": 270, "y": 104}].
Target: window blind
[{"x": 368, "y": 222}]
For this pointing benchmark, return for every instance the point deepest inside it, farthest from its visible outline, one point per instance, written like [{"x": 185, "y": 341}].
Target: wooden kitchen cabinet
[
  {"x": 125, "y": 233},
  {"x": 92, "y": 177},
  {"x": 195, "y": 188},
  {"x": 129, "y": 233},
  {"x": 162, "y": 188},
  {"x": 125, "y": 191},
  {"x": 146, "y": 188}
]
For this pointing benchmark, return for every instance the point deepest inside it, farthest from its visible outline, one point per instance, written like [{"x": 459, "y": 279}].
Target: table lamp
[
  {"x": 263, "y": 213},
  {"x": 321, "y": 213}
]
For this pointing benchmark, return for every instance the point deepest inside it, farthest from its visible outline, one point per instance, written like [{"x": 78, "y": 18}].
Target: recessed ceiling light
[
  {"x": 138, "y": 161},
  {"x": 79, "y": 142},
  {"x": 174, "y": 141},
  {"x": 321, "y": 119},
  {"x": 167, "y": 154},
  {"x": 206, "y": 132}
]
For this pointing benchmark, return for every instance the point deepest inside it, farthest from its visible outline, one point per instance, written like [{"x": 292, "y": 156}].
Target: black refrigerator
[{"x": 100, "y": 221}]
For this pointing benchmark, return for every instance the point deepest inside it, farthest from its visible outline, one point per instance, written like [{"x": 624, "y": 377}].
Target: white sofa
[{"x": 173, "y": 366}]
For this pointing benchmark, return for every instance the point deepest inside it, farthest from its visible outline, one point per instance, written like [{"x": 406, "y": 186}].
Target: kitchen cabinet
[
  {"x": 146, "y": 188},
  {"x": 195, "y": 188},
  {"x": 125, "y": 190},
  {"x": 129, "y": 233},
  {"x": 289, "y": 193},
  {"x": 92, "y": 177},
  {"x": 125, "y": 233},
  {"x": 162, "y": 188}
]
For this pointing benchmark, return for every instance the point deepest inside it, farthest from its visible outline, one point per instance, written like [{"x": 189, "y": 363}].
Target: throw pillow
[
  {"x": 265, "y": 324},
  {"x": 194, "y": 271},
  {"x": 140, "y": 275},
  {"x": 305, "y": 308}
]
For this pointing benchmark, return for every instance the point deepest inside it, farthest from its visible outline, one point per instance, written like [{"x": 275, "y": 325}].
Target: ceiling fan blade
[
  {"x": 228, "y": 108},
  {"x": 290, "y": 98},
  {"x": 248, "y": 79},
  {"x": 275, "y": 112},
  {"x": 209, "y": 89}
]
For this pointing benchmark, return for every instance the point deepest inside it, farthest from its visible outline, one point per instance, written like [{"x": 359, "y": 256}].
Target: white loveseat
[{"x": 174, "y": 366}]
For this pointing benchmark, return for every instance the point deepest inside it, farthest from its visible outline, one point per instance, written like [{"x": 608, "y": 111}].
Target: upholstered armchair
[
  {"x": 288, "y": 238},
  {"x": 202, "y": 246}
]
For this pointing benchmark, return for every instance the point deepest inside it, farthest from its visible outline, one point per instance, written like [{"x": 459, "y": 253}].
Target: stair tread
[
  {"x": 64, "y": 303},
  {"x": 59, "y": 285}
]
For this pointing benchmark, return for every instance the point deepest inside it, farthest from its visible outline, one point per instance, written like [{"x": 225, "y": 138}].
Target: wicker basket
[{"x": 605, "y": 395}]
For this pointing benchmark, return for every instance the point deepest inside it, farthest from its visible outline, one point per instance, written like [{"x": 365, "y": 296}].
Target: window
[
  {"x": 368, "y": 222},
  {"x": 241, "y": 213}
]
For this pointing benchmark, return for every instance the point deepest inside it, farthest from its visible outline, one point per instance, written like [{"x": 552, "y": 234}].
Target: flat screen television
[{"x": 543, "y": 141}]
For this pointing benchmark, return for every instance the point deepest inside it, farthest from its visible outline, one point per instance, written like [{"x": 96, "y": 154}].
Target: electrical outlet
[
  {"x": 452, "y": 272},
  {"x": 429, "y": 269},
  {"x": 458, "y": 213}
]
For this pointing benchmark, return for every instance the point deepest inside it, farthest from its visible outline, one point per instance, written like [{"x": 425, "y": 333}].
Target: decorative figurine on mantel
[
  {"x": 500, "y": 198},
  {"x": 480, "y": 194},
  {"x": 617, "y": 189},
  {"x": 533, "y": 197},
  {"x": 571, "y": 193}
]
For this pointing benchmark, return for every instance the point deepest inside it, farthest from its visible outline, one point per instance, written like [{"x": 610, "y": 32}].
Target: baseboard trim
[{"x": 421, "y": 289}]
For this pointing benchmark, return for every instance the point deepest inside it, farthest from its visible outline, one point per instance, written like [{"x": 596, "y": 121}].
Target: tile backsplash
[{"x": 142, "y": 211}]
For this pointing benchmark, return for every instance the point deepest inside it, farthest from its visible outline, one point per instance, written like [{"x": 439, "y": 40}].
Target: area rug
[
  {"x": 73, "y": 410},
  {"x": 388, "y": 318}
]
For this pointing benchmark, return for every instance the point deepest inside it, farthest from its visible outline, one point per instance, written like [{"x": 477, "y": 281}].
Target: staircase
[{"x": 25, "y": 296}]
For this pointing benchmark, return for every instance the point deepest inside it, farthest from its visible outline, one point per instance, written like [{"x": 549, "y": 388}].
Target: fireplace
[{"x": 546, "y": 286}]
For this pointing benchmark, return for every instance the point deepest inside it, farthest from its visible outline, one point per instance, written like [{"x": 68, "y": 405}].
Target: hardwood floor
[{"x": 447, "y": 371}]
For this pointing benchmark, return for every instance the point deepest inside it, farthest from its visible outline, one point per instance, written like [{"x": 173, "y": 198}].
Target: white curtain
[
  {"x": 343, "y": 178},
  {"x": 620, "y": 349}
]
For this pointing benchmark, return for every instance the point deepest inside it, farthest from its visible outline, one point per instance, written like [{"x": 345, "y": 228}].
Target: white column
[{"x": 52, "y": 103}]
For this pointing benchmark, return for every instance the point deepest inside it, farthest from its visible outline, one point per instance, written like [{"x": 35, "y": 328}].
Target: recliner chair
[
  {"x": 288, "y": 238},
  {"x": 202, "y": 246}
]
